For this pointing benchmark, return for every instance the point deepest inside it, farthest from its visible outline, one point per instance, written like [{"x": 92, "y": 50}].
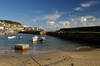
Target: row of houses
[{"x": 15, "y": 28}]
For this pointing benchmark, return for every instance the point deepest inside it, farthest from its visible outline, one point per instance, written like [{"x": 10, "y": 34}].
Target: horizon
[{"x": 52, "y": 14}]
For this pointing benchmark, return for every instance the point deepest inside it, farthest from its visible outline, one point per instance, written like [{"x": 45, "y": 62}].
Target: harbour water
[{"x": 51, "y": 43}]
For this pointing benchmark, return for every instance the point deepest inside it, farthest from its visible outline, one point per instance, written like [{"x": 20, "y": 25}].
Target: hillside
[
  {"x": 10, "y": 22},
  {"x": 8, "y": 26}
]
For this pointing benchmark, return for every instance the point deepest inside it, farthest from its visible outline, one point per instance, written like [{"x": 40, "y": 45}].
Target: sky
[{"x": 52, "y": 14}]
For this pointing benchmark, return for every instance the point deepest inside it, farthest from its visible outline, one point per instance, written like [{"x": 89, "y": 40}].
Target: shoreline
[
  {"x": 39, "y": 52},
  {"x": 57, "y": 58}
]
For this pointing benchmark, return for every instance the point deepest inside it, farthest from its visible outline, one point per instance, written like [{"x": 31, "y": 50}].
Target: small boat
[
  {"x": 35, "y": 39},
  {"x": 11, "y": 37},
  {"x": 19, "y": 37},
  {"x": 42, "y": 39}
]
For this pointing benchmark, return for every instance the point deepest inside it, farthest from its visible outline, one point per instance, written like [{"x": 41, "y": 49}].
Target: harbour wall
[{"x": 85, "y": 34}]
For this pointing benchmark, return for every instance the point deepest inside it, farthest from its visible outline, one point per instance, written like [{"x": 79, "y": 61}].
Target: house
[{"x": 1, "y": 28}]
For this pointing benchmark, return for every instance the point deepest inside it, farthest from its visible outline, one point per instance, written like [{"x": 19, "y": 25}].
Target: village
[{"x": 9, "y": 27}]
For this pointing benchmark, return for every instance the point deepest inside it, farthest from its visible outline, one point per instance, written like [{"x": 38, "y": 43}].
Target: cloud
[
  {"x": 53, "y": 17},
  {"x": 34, "y": 20},
  {"x": 85, "y": 5},
  {"x": 84, "y": 21},
  {"x": 54, "y": 22},
  {"x": 97, "y": 22},
  {"x": 78, "y": 9},
  {"x": 64, "y": 24},
  {"x": 51, "y": 22},
  {"x": 89, "y": 4},
  {"x": 49, "y": 17},
  {"x": 88, "y": 18},
  {"x": 81, "y": 21},
  {"x": 57, "y": 25}
]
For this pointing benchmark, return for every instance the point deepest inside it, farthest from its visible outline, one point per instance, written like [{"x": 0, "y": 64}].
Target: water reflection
[{"x": 22, "y": 52}]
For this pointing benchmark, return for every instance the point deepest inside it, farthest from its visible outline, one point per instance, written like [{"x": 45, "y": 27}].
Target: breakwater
[{"x": 86, "y": 34}]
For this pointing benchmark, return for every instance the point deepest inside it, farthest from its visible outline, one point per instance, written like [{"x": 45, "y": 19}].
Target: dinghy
[{"x": 11, "y": 37}]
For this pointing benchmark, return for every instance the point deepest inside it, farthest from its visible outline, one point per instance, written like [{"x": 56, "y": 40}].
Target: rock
[{"x": 84, "y": 48}]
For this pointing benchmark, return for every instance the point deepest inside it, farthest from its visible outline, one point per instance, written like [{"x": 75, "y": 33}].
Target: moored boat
[
  {"x": 11, "y": 37},
  {"x": 35, "y": 39},
  {"x": 42, "y": 39}
]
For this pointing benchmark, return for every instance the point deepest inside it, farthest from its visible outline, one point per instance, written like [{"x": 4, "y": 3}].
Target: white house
[{"x": 1, "y": 28}]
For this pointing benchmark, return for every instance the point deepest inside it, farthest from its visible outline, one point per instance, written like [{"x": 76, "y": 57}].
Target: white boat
[
  {"x": 11, "y": 37},
  {"x": 35, "y": 39}
]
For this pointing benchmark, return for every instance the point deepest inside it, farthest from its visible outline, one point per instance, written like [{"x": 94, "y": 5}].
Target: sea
[{"x": 49, "y": 45}]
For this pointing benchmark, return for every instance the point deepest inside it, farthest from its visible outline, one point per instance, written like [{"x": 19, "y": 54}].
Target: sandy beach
[{"x": 57, "y": 58}]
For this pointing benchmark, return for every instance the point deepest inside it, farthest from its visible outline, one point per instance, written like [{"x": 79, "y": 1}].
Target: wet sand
[{"x": 57, "y": 58}]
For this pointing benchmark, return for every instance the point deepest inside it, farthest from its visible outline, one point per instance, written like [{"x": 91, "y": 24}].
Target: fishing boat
[
  {"x": 11, "y": 37},
  {"x": 35, "y": 39}
]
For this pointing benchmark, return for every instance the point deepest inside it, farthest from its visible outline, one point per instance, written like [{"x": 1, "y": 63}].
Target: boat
[
  {"x": 19, "y": 37},
  {"x": 35, "y": 39},
  {"x": 42, "y": 39},
  {"x": 11, "y": 37}
]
